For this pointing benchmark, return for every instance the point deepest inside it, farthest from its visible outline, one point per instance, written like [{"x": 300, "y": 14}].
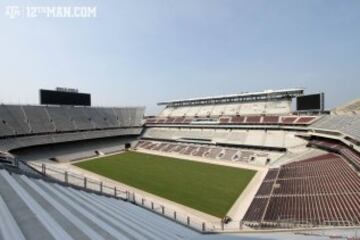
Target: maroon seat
[
  {"x": 271, "y": 119},
  {"x": 288, "y": 120},
  {"x": 224, "y": 120},
  {"x": 322, "y": 190},
  {"x": 253, "y": 119},
  {"x": 237, "y": 119},
  {"x": 305, "y": 120}
]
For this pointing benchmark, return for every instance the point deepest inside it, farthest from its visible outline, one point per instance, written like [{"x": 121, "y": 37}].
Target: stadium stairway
[{"x": 32, "y": 208}]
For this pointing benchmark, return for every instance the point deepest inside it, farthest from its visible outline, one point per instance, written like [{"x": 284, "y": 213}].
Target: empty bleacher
[
  {"x": 348, "y": 124},
  {"x": 231, "y": 108},
  {"x": 274, "y": 138},
  {"x": 236, "y": 136},
  {"x": 278, "y": 107},
  {"x": 335, "y": 146},
  {"x": 199, "y": 150},
  {"x": 256, "y": 108},
  {"x": 322, "y": 190},
  {"x": 213, "y": 152},
  {"x": 258, "y": 138},
  {"x": 80, "y": 118},
  {"x": 38, "y": 119},
  {"x": 229, "y": 154},
  {"x": 270, "y": 119},
  {"x": 34, "y": 208},
  {"x": 5, "y": 129},
  {"x": 218, "y": 110},
  {"x": 237, "y": 120},
  {"x": 61, "y": 119},
  {"x": 253, "y": 119},
  {"x": 23, "y": 126},
  {"x": 14, "y": 118}
]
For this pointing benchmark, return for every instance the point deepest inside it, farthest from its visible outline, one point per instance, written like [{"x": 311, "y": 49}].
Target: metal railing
[{"x": 121, "y": 192}]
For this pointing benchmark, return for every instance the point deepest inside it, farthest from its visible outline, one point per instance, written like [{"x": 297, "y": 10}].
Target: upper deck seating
[
  {"x": 5, "y": 129},
  {"x": 35, "y": 125},
  {"x": 256, "y": 108},
  {"x": 81, "y": 119},
  {"x": 13, "y": 116},
  {"x": 38, "y": 119},
  {"x": 348, "y": 124},
  {"x": 98, "y": 118},
  {"x": 61, "y": 119}
]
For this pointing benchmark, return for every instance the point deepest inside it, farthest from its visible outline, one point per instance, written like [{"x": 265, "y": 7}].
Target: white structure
[{"x": 257, "y": 103}]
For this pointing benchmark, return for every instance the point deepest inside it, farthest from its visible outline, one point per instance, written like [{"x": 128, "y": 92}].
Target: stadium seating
[
  {"x": 289, "y": 120},
  {"x": 201, "y": 150},
  {"x": 36, "y": 140},
  {"x": 277, "y": 139},
  {"x": 323, "y": 190},
  {"x": 230, "y": 109},
  {"x": 254, "y": 119},
  {"x": 274, "y": 138},
  {"x": 271, "y": 119},
  {"x": 23, "y": 126},
  {"x": 335, "y": 146},
  {"x": 278, "y": 107},
  {"x": 34, "y": 208},
  {"x": 61, "y": 119},
  {"x": 13, "y": 117},
  {"x": 38, "y": 119},
  {"x": 348, "y": 124},
  {"x": 236, "y": 120},
  {"x": 305, "y": 120}
]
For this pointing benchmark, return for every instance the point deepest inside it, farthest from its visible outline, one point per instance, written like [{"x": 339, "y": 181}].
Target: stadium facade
[{"x": 308, "y": 165}]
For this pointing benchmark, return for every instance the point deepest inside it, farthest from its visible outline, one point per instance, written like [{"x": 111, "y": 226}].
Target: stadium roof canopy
[{"x": 240, "y": 97}]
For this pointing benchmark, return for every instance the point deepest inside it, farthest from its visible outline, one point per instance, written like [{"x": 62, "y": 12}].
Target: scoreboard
[
  {"x": 312, "y": 102},
  {"x": 64, "y": 96}
]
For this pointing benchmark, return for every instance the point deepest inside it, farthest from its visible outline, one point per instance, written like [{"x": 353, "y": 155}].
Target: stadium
[{"x": 253, "y": 164}]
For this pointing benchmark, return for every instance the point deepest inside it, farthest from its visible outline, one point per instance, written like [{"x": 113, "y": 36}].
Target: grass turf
[{"x": 206, "y": 187}]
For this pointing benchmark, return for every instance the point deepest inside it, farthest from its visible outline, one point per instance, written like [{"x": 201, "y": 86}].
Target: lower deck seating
[
  {"x": 323, "y": 190},
  {"x": 229, "y": 154},
  {"x": 336, "y": 146},
  {"x": 199, "y": 150}
]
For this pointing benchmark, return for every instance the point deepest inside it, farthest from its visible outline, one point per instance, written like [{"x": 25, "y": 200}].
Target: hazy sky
[{"x": 141, "y": 52}]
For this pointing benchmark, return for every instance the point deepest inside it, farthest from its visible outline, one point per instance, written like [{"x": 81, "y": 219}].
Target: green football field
[{"x": 209, "y": 188}]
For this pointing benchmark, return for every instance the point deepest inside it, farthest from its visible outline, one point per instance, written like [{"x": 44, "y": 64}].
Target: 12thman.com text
[{"x": 50, "y": 11}]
